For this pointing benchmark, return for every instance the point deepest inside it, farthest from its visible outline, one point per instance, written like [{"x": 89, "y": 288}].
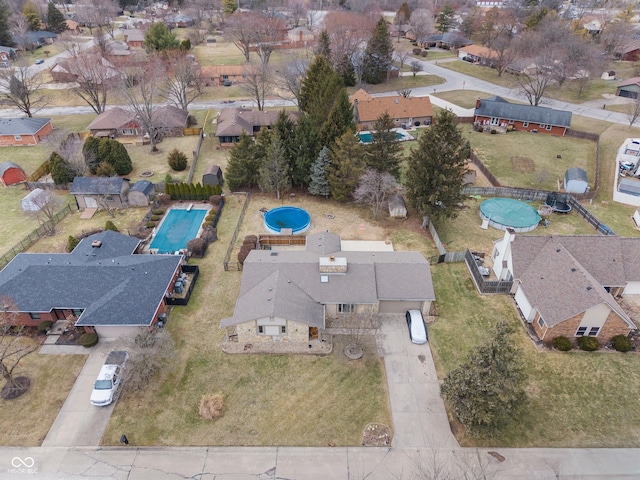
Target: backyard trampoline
[
  {"x": 294, "y": 218},
  {"x": 503, "y": 213},
  {"x": 558, "y": 203}
]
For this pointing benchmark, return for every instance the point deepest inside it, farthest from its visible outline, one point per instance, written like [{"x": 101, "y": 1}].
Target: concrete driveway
[
  {"x": 419, "y": 416},
  {"x": 79, "y": 423}
]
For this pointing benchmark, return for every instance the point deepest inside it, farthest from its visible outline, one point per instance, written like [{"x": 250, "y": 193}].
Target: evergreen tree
[
  {"x": 61, "y": 171},
  {"x": 274, "y": 172},
  {"x": 378, "y": 56},
  {"x": 340, "y": 120},
  {"x": 444, "y": 19},
  {"x": 5, "y": 28},
  {"x": 159, "y": 38},
  {"x": 347, "y": 165},
  {"x": 346, "y": 71},
  {"x": 229, "y": 6},
  {"x": 90, "y": 152},
  {"x": 241, "y": 169},
  {"x": 120, "y": 158},
  {"x": 488, "y": 391},
  {"x": 319, "y": 89},
  {"x": 319, "y": 172},
  {"x": 437, "y": 167},
  {"x": 324, "y": 45},
  {"x": 307, "y": 150},
  {"x": 55, "y": 19},
  {"x": 403, "y": 15},
  {"x": 31, "y": 15},
  {"x": 383, "y": 153},
  {"x": 285, "y": 131}
]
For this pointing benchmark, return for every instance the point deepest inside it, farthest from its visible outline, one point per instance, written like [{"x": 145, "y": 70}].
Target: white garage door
[{"x": 398, "y": 306}]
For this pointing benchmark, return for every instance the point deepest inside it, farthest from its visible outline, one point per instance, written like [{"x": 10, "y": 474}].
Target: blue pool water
[
  {"x": 297, "y": 219},
  {"x": 366, "y": 137},
  {"x": 178, "y": 227}
]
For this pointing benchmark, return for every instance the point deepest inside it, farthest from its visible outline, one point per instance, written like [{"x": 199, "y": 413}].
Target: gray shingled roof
[
  {"x": 575, "y": 174},
  {"x": 370, "y": 277},
  {"x": 97, "y": 185},
  {"x": 233, "y": 121},
  {"x": 500, "y": 108},
  {"x": 144, "y": 186},
  {"x": 113, "y": 118},
  {"x": 113, "y": 286},
  {"x": 22, "y": 126}
]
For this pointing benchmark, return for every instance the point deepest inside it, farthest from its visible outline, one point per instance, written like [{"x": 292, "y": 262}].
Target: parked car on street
[
  {"x": 39, "y": 61},
  {"x": 417, "y": 327}
]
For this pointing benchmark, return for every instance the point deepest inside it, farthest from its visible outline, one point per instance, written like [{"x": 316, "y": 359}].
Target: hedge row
[{"x": 190, "y": 191}]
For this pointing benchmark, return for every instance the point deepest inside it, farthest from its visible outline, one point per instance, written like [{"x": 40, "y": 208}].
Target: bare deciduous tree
[
  {"x": 348, "y": 31},
  {"x": 48, "y": 204},
  {"x": 297, "y": 12},
  {"x": 184, "y": 85},
  {"x": 22, "y": 88},
  {"x": 404, "y": 92},
  {"x": 422, "y": 25},
  {"x": 259, "y": 83},
  {"x": 14, "y": 346},
  {"x": 374, "y": 189},
  {"x": 402, "y": 57},
  {"x": 633, "y": 111},
  {"x": 267, "y": 33},
  {"x": 291, "y": 75},
  {"x": 240, "y": 29},
  {"x": 416, "y": 67},
  {"x": 95, "y": 77}
]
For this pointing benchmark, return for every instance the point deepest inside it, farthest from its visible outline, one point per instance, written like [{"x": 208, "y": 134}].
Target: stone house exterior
[
  {"x": 567, "y": 285},
  {"x": 287, "y": 296}
]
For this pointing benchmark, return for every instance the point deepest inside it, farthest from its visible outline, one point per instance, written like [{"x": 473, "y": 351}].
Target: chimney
[
  {"x": 96, "y": 244},
  {"x": 510, "y": 234},
  {"x": 478, "y": 102}
]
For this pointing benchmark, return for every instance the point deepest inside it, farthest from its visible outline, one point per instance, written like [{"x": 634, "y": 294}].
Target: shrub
[
  {"x": 243, "y": 253},
  {"x": 177, "y": 160},
  {"x": 150, "y": 224},
  {"x": 209, "y": 235},
  {"x": 72, "y": 242},
  {"x": 424, "y": 53},
  {"x": 622, "y": 343},
  {"x": 480, "y": 129},
  {"x": 164, "y": 199},
  {"x": 88, "y": 339},
  {"x": 215, "y": 199},
  {"x": 493, "y": 131},
  {"x": 44, "y": 326},
  {"x": 155, "y": 218},
  {"x": 158, "y": 211},
  {"x": 105, "y": 170},
  {"x": 209, "y": 218},
  {"x": 207, "y": 224},
  {"x": 109, "y": 225},
  {"x": 211, "y": 406},
  {"x": 416, "y": 51},
  {"x": 562, "y": 343},
  {"x": 588, "y": 344},
  {"x": 197, "y": 247},
  {"x": 251, "y": 238},
  {"x": 509, "y": 128}
]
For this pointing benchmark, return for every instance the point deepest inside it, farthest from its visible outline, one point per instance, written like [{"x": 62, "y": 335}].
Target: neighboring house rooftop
[
  {"x": 396, "y": 107},
  {"x": 111, "y": 284},
  {"x": 97, "y": 185},
  {"x": 500, "y": 108},
  {"x": 233, "y": 121},
  {"x": 134, "y": 35},
  {"x": 22, "y": 126},
  {"x": 169, "y": 116},
  {"x": 479, "y": 51},
  {"x": 113, "y": 118},
  {"x": 630, "y": 81}
]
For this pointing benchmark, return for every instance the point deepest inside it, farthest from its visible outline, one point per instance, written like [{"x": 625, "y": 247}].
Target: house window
[
  {"x": 109, "y": 198},
  {"x": 548, "y": 127},
  {"x": 17, "y": 137},
  {"x": 542, "y": 125},
  {"x": 593, "y": 332},
  {"x": 283, "y": 329},
  {"x": 510, "y": 122},
  {"x": 581, "y": 331},
  {"x": 260, "y": 329},
  {"x": 35, "y": 316},
  {"x": 541, "y": 321},
  {"x": 127, "y": 131},
  {"x": 525, "y": 124},
  {"x": 77, "y": 312},
  {"x": 346, "y": 308}
]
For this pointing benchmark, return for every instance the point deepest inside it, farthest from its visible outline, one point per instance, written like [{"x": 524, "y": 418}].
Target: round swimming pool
[
  {"x": 506, "y": 212},
  {"x": 297, "y": 219}
]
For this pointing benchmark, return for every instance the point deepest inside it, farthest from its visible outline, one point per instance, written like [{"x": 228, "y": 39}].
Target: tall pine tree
[
  {"x": 319, "y": 90},
  {"x": 347, "y": 165},
  {"x": 340, "y": 120},
  {"x": 285, "y": 131},
  {"x": 383, "y": 153},
  {"x": 437, "y": 167},
  {"x": 5, "y": 28},
  {"x": 31, "y": 15},
  {"x": 55, "y": 19},
  {"x": 319, "y": 172},
  {"x": 307, "y": 150},
  {"x": 378, "y": 56},
  {"x": 274, "y": 172},
  {"x": 243, "y": 167},
  {"x": 324, "y": 45}
]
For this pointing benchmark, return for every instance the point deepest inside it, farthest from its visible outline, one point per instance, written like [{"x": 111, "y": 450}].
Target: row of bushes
[
  {"x": 86, "y": 339},
  {"x": 620, "y": 343},
  {"x": 190, "y": 191}
]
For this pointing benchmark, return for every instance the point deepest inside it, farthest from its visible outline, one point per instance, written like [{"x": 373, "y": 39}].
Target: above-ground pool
[
  {"x": 297, "y": 219},
  {"x": 178, "y": 227},
  {"x": 502, "y": 213}
]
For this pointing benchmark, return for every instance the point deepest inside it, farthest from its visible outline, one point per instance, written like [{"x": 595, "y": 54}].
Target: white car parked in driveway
[
  {"x": 109, "y": 378},
  {"x": 417, "y": 328}
]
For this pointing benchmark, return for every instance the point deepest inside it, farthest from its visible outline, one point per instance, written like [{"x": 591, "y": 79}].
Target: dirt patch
[
  {"x": 522, "y": 165},
  {"x": 376, "y": 435}
]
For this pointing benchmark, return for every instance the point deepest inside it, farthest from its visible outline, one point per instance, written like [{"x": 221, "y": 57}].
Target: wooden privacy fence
[
  {"x": 484, "y": 286},
  {"x": 196, "y": 154},
  {"x": 192, "y": 131},
  {"x": 228, "y": 264},
  {"x": 266, "y": 241}
]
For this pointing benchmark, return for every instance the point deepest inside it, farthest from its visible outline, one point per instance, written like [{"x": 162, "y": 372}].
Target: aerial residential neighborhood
[{"x": 315, "y": 240}]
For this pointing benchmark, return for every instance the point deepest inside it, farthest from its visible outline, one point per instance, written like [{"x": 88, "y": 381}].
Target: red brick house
[
  {"x": 217, "y": 75},
  {"x": 496, "y": 111},
  {"x": 16, "y": 132},
  {"x": 134, "y": 38}
]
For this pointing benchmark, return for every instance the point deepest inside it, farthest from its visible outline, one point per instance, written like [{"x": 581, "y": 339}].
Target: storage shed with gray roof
[
  {"x": 95, "y": 192},
  {"x": 497, "y": 111}
]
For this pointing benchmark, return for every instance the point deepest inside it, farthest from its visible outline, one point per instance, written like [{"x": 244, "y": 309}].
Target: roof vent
[
  {"x": 589, "y": 287},
  {"x": 96, "y": 243},
  {"x": 396, "y": 101},
  {"x": 573, "y": 269}
]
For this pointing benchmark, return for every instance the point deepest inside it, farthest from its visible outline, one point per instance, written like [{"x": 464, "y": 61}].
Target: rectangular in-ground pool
[{"x": 178, "y": 227}]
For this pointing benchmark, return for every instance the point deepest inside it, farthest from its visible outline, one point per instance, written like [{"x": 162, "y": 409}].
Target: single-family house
[
  {"x": 7, "y": 55},
  {"x": 95, "y": 192},
  {"x": 286, "y": 296},
  {"x": 179, "y": 20},
  {"x": 405, "y": 111},
  {"x": 565, "y": 285},
  {"x": 300, "y": 35},
  {"x": 231, "y": 122},
  {"x": 11, "y": 173},
  {"x": 73, "y": 26},
  {"x": 17, "y": 132},
  {"x": 478, "y": 54},
  {"x": 67, "y": 71},
  {"x": 497, "y": 111},
  {"x": 449, "y": 40},
  {"x": 141, "y": 193},
  {"x": 575, "y": 180},
  {"x": 629, "y": 88},
  {"x": 102, "y": 284},
  {"x": 212, "y": 176},
  {"x": 629, "y": 52},
  {"x": 33, "y": 39},
  {"x": 522, "y": 66},
  {"x": 169, "y": 121},
  {"x": 134, "y": 38},
  {"x": 227, "y": 75}
]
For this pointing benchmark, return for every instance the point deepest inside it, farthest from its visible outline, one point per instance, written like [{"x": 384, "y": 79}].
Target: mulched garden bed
[{"x": 70, "y": 337}]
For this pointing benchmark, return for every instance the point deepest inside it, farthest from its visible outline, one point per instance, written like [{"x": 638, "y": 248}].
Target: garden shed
[
  {"x": 397, "y": 207},
  {"x": 11, "y": 173},
  {"x": 141, "y": 193},
  {"x": 575, "y": 181},
  {"x": 212, "y": 176},
  {"x": 34, "y": 201}
]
